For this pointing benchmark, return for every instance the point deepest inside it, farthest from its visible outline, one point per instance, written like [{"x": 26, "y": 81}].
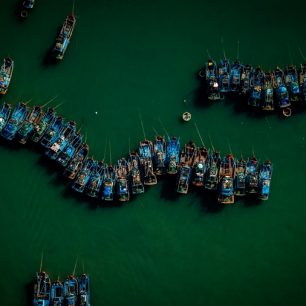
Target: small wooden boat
[
  {"x": 226, "y": 180},
  {"x": 95, "y": 182},
  {"x": 211, "y": 176},
  {"x": 186, "y": 116},
  {"x": 159, "y": 155},
  {"x": 239, "y": 181},
  {"x": 246, "y": 74},
  {"x": 84, "y": 290},
  {"x": 109, "y": 182},
  {"x": 265, "y": 175},
  {"x": 281, "y": 91},
  {"x": 251, "y": 173},
  {"x": 57, "y": 294},
  {"x": 122, "y": 184},
  {"x": 70, "y": 291},
  {"x": 42, "y": 288},
  {"x": 224, "y": 71},
  {"x": 257, "y": 82},
  {"x": 5, "y": 113},
  {"x": 6, "y": 72},
  {"x": 235, "y": 77},
  {"x": 63, "y": 39},
  {"x": 268, "y": 97},
  {"x": 212, "y": 85},
  {"x": 302, "y": 81},
  {"x": 18, "y": 116},
  {"x": 83, "y": 176},
  {"x": 172, "y": 154},
  {"x": 52, "y": 132},
  {"x": 135, "y": 178},
  {"x": 76, "y": 163},
  {"x": 199, "y": 166},
  {"x": 292, "y": 83},
  {"x": 286, "y": 112}
]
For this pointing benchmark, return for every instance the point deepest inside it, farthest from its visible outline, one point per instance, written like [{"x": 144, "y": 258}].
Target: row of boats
[
  {"x": 74, "y": 291},
  {"x": 199, "y": 166},
  {"x": 262, "y": 89}
]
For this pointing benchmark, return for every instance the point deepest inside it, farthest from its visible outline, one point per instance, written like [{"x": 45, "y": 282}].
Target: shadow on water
[
  {"x": 29, "y": 293},
  {"x": 168, "y": 188},
  {"x": 208, "y": 200}
]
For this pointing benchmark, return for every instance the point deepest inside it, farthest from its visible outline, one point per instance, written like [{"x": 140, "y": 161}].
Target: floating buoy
[
  {"x": 287, "y": 112},
  {"x": 96, "y": 113},
  {"x": 24, "y": 13},
  {"x": 186, "y": 116}
]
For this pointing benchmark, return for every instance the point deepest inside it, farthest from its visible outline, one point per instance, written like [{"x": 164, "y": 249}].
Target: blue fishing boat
[
  {"x": 281, "y": 91},
  {"x": 84, "y": 290},
  {"x": 18, "y": 116},
  {"x": 83, "y": 176},
  {"x": 224, "y": 76},
  {"x": 235, "y": 77},
  {"x": 251, "y": 173},
  {"x": 292, "y": 83},
  {"x": 52, "y": 131},
  {"x": 135, "y": 179},
  {"x": 122, "y": 184},
  {"x": 68, "y": 152},
  {"x": 76, "y": 163},
  {"x": 212, "y": 86},
  {"x": 240, "y": 178},
  {"x": 183, "y": 179},
  {"x": 42, "y": 288},
  {"x": 70, "y": 291},
  {"x": 172, "y": 154},
  {"x": 62, "y": 140},
  {"x": 145, "y": 149},
  {"x": 64, "y": 37},
  {"x": 199, "y": 166},
  {"x": 5, "y": 113},
  {"x": 302, "y": 81},
  {"x": 246, "y": 75},
  {"x": 27, "y": 128},
  {"x": 57, "y": 294},
  {"x": 257, "y": 82},
  {"x": 94, "y": 184},
  {"x": 159, "y": 155},
  {"x": 268, "y": 96},
  {"x": 211, "y": 175},
  {"x": 226, "y": 180},
  {"x": 265, "y": 175},
  {"x": 41, "y": 126},
  {"x": 109, "y": 182},
  {"x": 6, "y": 72}
]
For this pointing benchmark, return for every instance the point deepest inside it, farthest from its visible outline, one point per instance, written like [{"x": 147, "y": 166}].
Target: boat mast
[
  {"x": 41, "y": 261},
  {"x": 110, "y": 153},
  {"x": 49, "y": 101},
  {"x": 143, "y": 130},
  {"x": 163, "y": 127},
  {"x": 75, "y": 265},
  {"x": 238, "y": 47},
  {"x": 199, "y": 135},
  {"x": 211, "y": 144},
  {"x": 58, "y": 105},
  {"x": 300, "y": 50},
  {"x": 223, "y": 49}
]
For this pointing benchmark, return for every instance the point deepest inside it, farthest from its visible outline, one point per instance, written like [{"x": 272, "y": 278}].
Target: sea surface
[{"x": 132, "y": 59}]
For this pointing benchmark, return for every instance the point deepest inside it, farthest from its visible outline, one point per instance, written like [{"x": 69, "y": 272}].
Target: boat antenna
[
  {"x": 28, "y": 101},
  {"x": 58, "y": 105},
  {"x": 110, "y": 153},
  {"x": 222, "y": 44},
  {"x": 211, "y": 142},
  {"x": 143, "y": 130},
  {"x": 290, "y": 55},
  {"x": 229, "y": 146},
  {"x": 199, "y": 134},
  {"x": 41, "y": 261},
  {"x": 75, "y": 266},
  {"x": 300, "y": 50},
  {"x": 208, "y": 53},
  {"x": 73, "y": 6},
  {"x": 85, "y": 140},
  {"x": 238, "y": 47},
  {"x": 129, "y": 145},
  {"x": 154, "y": 130},
  {"x": 83, "y": 266},
  {"x": 163, "y": 127},
  {"x": 50, "y": 101},
  {"x": 105, "y": 149},
  {"x": 253, "y": 151}
]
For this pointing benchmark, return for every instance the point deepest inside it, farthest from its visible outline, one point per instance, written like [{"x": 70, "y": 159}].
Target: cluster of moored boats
[
  {"x": 265, "y": 90},
  {"x": 73, "y": 291},
  {"x": 194, "y": 165}
]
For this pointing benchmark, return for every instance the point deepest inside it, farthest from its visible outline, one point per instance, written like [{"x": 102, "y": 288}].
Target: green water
[{"x": 134, "y": 56}]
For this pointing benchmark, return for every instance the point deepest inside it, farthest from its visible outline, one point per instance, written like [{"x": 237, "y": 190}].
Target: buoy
[
  {"x": 24, "y": 13},
  {"x": 96, "y": 113},
  {"x": 287, "y": 112},
  {"x": 186, "y": 116}
]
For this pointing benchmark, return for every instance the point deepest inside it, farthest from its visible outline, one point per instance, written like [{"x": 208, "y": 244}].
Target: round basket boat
[
  {"x": 24, "y": 14},
  {"x": 287, "y": 112},
  {"x": 186, "y": 116}
]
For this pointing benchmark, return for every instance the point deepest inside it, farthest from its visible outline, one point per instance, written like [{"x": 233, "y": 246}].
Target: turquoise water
[{"x": 127, "y": 58}]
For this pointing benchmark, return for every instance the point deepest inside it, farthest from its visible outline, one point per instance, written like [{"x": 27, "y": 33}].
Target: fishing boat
[
  {"x": 251, "y": 173},
  {"x": 84, "y": 290},
  {"x": 172, "y": 154},
  {"x": 76, "y": 163},
  {"x": 5, "y": 113},
  {"x": 199, "y": 166},
  {"x": 268, "y": 97},
  {"x": 83, "y": 176},
  {"x": 257, "y": 82},
  {"x": 6, "y": 72},
  {"x": 246, "y": 74},
  {"x": 183, "y": 179},
  {"x": 68, "y": 152},
  {"x": 27, "y": 128},
  {"x": 18, "y": 116},
  {"x": 42, "y": 288},
  {"x": 62, "y": 140},
  {"x": 57, "y": 294},
  {"x": 159, "y": 155},
  {"x": 70, "y": 291},
  {"x": 95, "y": 181},
  {"x": 302, "y": 81},
  {"x": 212, "y": 86},
  {"x": 41, "y": 126},
  {"x": 54, "y": 128},
  {"x": 226, "y": 180},
  {"x": 145, "y": 149},
  {"x": 239, "y": 181},
  {"x": 235, "y": 76},
  {"x": 281, "y": 91},
  {"x": 109, "y": 182},
  {"x": 211, "y": 175},
  {"x": 136, "y": 181},
  {"x": 63, "y": 39},
  {"x": 265, "y": 175},
  {"x": 122, "y": 184},
  {"x": 292, "y": 83},
  {"x": 224, "y": 75}
]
